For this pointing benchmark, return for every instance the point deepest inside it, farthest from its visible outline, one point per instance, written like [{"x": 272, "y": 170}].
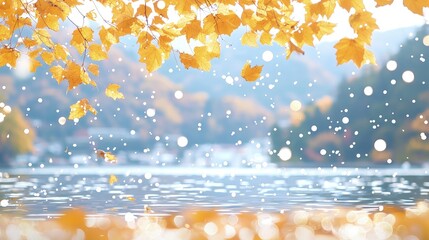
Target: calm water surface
[{"x": 44, "y": 193}]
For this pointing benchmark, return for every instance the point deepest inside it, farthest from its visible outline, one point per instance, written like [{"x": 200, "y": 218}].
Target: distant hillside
[
  {"x": 389, "y": 103},
  {"x": 211, "y": 110}
]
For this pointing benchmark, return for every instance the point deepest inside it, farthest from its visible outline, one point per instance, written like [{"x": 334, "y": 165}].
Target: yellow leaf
[
  {"x": 57, "y": 73},
  {"x": 50, "y": 21},
  {"x": 350, "y": 50},
  {"x": 151, "y": 56},
  {"x": 91, "y": 15},
  {"x": 107, "y": 156},
  {"x": 249, "y": 39},
  {"x": 192, "y": 30},
  {"x": 108, "y": 37},
  {"x": 363, "y": 20},
  {"x": 60, "y": 52},
  {"x": 349, "y": 4},
  {"x": 221, "y": 24},
  {"x": 80, "y": 37},
  {"x": 416, "y": 6},
  {"x": 322, "y": 28},
  {"x": 381, "y": 3},
  {"x": 8, "y": 56},
  {"x": 5, "y": 33},
  {"x": 96, "y": 53},
  {"x": 293, "y": 48},
  {"x": 48, "y": 57},
  {"x": 80, "y": 108},
  {"x": 112, "y": 92},
  {"x": 131, "y": 198},
  {"x": 112, "y": 179},
  {"x": 266, "y": 38},
  {"x": 73, "y": 74},
  {"x": 29, "y": 42},
  {"x": 93, "y": 68},
  {"x": 251, "y": 73}
]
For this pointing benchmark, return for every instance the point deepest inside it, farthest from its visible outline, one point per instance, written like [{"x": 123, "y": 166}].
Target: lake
[{"x": 45, "y": 193}]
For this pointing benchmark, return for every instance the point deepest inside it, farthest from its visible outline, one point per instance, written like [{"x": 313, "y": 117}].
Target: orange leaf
[
  {"x": 48, "y": 57},
  {"x": 381, "y": 3},
  {"x": 8, "y": 56},
  {"x": 80, "y": 37},
  {"x": 57, "y": 73},
  {"x": 93, "y": 68},
  {"x": 249, "y": 39},
  {"x": 96, "y": 53},
  {"x": 416, "y": 6},
  {"x": 112, "y": 92},
  {"x": 350, "y": 50},
  {"x": 80, "y": 108},
  {"x": 112, "y": 179},
  {"x": 251, "y": 73}
]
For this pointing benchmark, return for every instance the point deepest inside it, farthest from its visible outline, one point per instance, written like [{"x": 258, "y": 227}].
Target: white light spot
[
  {"x": 129, "y": 217},
  {"x": 426, "y": 40},
  {"x": 323, "y": 152},
  {"x": 267, "y": 56},
  {"x": 210, "y": 229},
  {"x": 62, "y": 120},
  {"x": 7, "y": 109},
  {"x": 26, "y": 131},
  {"x": 133, "y": 132},
  {"x": 178, "y": 94},
  {"x": 40, "y": 100},
  {"x": 229, "y": 80},
  {"x": 23, "y": 65},
  {"x": 2, "y": 117},
  {"x": 150, "y": 112},
  {"x": 285, "y": 154},
  {"x": 182, "y": 141},
  {"x": 295, "y": 105},
  {"x": 314, "y": 128},
  {"x": 160, "y": 4},
  {"x": 391, "y": 65},
  {"x": 148, "y": 175},
  {"x": 345, "y": 120},
  {"x": 408, "y": 76},
  {"x": 4, "y": 203},
  {"x": 368, "y": 90},
  {"x": 380, "y": 145}
]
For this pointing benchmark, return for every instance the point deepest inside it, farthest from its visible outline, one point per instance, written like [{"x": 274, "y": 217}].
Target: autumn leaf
[
  {"x": 251, "y": 73},
  {"x": 112, "y": 179},
  {"x": 91, "y": 15},
  {"x": 5, "y": 32},
  {"x": 93, "y": 68},
  {"x": 112, "y": 92},
  {"x": 57, "y": 73},
  {"x": 8, "y": 56},
  {"x": 48, "y": 57},
  {"x": 416, "y": 6},
  {"x": 350, "y": 50},
  {"x": 381, "y": 3},
  {"x": 151, "y": 56},
  {"x": 293, "y": 48},
  {"x": 60, "y": 52},
  {"x": 80, "y": 108},
  {"x": 221, "y": 24},
  {"x": 107, "y": 156},
  {"x": 96, "y": 53},
  {"x": 349, "y": 4},
  {"x": 80, "y": 37},
  {"x": 249, "y": 39}
]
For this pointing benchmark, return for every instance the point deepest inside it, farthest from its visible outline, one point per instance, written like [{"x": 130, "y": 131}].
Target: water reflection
[{"x": 43, "y": 196}]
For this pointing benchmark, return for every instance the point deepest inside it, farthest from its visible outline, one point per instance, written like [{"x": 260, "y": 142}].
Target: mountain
[
  {"x": 382, "y": 115},
  {"x": 217, "y": 106}
]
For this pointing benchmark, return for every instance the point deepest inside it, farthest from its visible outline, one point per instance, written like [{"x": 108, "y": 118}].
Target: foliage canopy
[{"x": 29, "y": 28}]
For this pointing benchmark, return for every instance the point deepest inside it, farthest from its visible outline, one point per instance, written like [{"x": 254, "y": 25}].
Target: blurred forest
[{"x": 388, "y": 102}]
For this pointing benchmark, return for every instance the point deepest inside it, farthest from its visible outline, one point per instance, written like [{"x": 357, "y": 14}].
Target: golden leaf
[
  {"x": 349, "y": 4},
  {"x": 97, "y": 53},
  {"x": 93, "y": 68},
  {"x": 50, "y": 21},
  {"x": 107, "y": 156},
  {"x": 5, "y": 33},
  {"x": 73, "y": 74},
  {"x": 112, "y": 92},
  {"x": 131, "y": 198},
  {"x": 8, "y": 56},
  {"x": 192, "y": 30},
  {"x": 221, "y": 24},
  {"x": 91, "y": 15},
  {"x": 80, "y": 37},
  {"x": 80, "y": 108},
  {"x": 151, "y": 56},
  {"x": 251, "y": 73},
  {"x": 29, "y": 42},
  {"x": 48, "y": 57},
  {"x": 266, "y": 38},
  {"x": 108, "y": 37},
  {"x": 363, "y": 20},
  {"x": 322, "y": 28},
  {"x": 57, "y": 73},
  {"x": 112, "y": 179},
  {"x": 416, "y": 6},
  {"x": 350, "y": 50},
  {"x": 60, "y": 52},
  {"x": 293, "y": 48},
  {"x": 381, "y": 3},
  {"x": 249, "y": 39}
]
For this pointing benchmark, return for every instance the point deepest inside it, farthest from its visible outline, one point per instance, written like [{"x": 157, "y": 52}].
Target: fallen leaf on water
[{"x": 113, "y": 179}]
